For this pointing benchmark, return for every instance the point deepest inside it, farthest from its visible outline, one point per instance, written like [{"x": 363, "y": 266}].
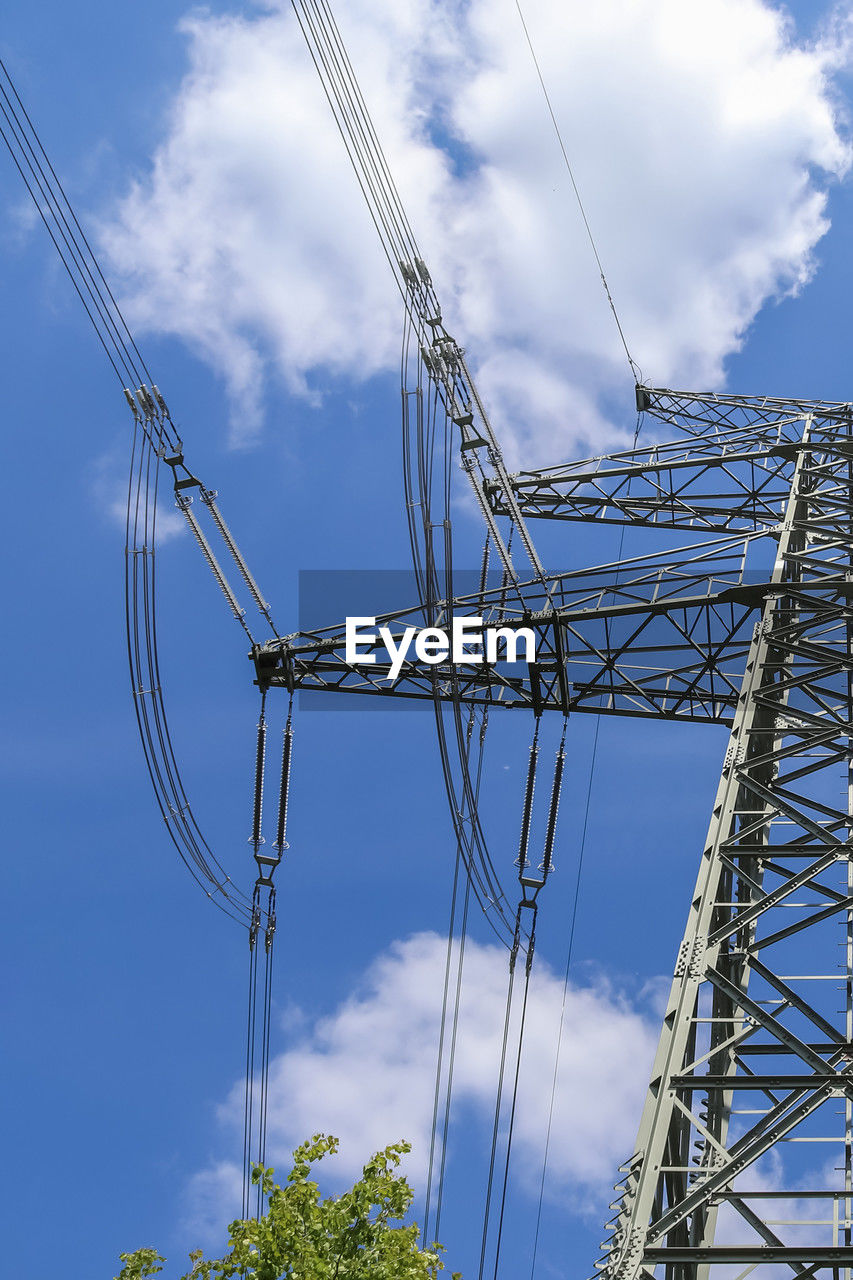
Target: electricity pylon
[
  {"x": 745, "y": 1148},
  {"x": 754, "y": 1067}
]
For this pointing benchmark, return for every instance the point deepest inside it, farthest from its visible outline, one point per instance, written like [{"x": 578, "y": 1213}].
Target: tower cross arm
[
  {"x": 640, "y": 647},
  {"x": 702, "y": 486},
  {"x": 726, "y": 464}
]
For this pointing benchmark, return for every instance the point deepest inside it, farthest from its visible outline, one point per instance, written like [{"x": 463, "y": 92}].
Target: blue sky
[{"x": 124, "y": 1009}]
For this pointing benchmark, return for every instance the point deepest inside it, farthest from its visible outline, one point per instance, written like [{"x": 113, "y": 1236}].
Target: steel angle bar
[
  {"x": 693, "y": 1256},
  {"x": 714, "y": 488},
  {"x": 698, "y": 413},
  {"x": 809, "y": 922},
  {"x": 750, "y": 1008},
  {"x": 795, "y": 1001},
  {"x": 753, "y": 910},
  {"x": 778, "y": 1081}
]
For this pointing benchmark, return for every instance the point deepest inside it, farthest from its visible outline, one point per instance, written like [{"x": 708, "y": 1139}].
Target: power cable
[
  {"x": 448, "y": 370},
  {"x": 248, "y": 1095},
  {"x": 572, "y": 924},
  {"x": 155, "y": 438},
  {"x": 510, "y": 1128},
  {"x": 82, "y": 234},
  {"x": 74, "y": 251},
  {"x": 269, "y": 939},
  {"x": 419, "y": 444},
  {"x": 452, "y": 1062},
  {"x": 634, "y": 367},
  {"x": 147, "y": 686},
  {"x": 460, "y": 960},
  {"x": 530, "y": 887},
  {"x": 441, "y": 1036},
  {"x": 498, "y": 1098},
  {"x": 56, "y": 244}
]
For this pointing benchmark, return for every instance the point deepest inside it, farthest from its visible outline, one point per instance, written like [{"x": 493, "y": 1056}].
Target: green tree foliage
[{"x": 301, "y": 1237}]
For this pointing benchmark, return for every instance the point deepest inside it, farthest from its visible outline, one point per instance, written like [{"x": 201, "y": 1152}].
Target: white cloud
[
  {"x": 366, "y": 1073},
  {"x": 213, "y": 1199},
  {"x": 108, "y": 485},
  {"x": 795, "y": 1220},
  {"x": 701, "y": 136}
]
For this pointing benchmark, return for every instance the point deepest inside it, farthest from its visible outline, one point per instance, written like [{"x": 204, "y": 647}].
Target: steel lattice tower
[{"x": 756, "y": 1049}]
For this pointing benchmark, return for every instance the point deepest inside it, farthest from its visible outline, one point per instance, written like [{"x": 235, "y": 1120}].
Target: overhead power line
[{"x": 635, "y": 370}]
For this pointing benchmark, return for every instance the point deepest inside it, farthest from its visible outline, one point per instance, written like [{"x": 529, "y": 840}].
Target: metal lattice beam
[
  {"x": 729, "y": 468},
  {"x": 650, "y": 637},
  {"x": 670, "y": 486}
]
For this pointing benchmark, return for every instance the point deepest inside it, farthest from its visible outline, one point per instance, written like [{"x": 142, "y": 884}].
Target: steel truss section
[
  {"x": 671, "y": 486},
  {"x": 744, "y": 1158},
  {"x": 649, "y": 637},
  {"x": 728, "y": 468}
]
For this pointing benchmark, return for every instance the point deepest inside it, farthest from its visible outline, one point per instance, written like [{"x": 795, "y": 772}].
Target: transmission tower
[
  {"x": 749, "y": 625},
  {"x": 756, "y": 1048}
]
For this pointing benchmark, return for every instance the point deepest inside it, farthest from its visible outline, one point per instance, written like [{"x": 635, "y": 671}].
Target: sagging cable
[
  {"x": 256, "y": 1099},
  {"x": 249, "y": 1092},
  {"x": 269, "y": 937},
  {"x": 528, "y": 965},
  {"x": 513, "y": 955}
]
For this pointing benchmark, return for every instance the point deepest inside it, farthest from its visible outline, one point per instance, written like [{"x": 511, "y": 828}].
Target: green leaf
[{"x": 358, "y": 1235}]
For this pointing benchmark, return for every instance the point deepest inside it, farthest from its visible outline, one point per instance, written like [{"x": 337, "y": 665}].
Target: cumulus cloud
[
  {"x": 702, "y": 137},
  {"x": 108, "y": 485},
  {"x": 795, "y": 1220},
  {"x": 366, "y": 1072}
]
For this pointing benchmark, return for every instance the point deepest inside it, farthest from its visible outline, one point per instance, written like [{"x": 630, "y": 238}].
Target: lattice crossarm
[
  {"x": 714, "y": 488},
  {"x": 676, "y": 657}
]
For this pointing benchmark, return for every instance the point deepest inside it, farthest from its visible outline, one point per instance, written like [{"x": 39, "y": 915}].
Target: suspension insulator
[
  {"x": 281, "y": 829},
  {"x": 208, "y": 497},
  {"x": 184, "y": 503},
  {"x": 521, "y": 861},
  {"x": 484, "y": 565},
  {"x": 547, "y": 864},
  {"x": 256, "y": 838}
]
